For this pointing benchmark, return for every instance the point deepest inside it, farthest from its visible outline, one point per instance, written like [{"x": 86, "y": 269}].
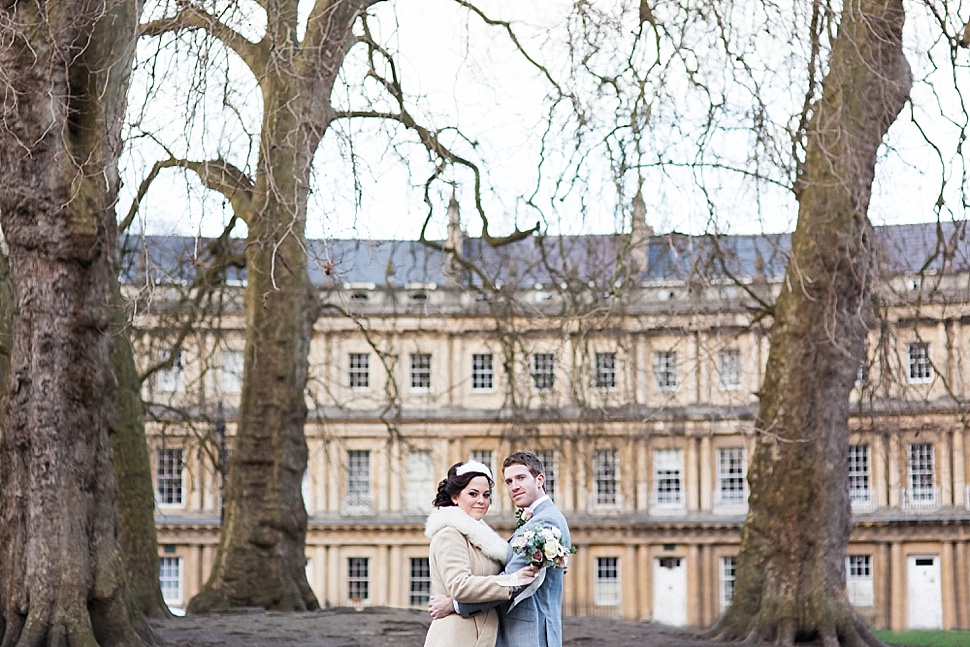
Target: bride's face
[{"x": 475, "y": 499}]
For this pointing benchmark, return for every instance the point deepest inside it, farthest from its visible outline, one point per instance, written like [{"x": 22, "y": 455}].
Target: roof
[{"x": 547, "y": 260}]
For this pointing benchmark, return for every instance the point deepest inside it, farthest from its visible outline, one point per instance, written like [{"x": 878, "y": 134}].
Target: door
[
  {"x": 670, "y": 591},
  {"x": 924, "y": 594}
]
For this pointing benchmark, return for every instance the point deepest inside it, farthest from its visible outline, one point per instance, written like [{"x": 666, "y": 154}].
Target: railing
[
  {"x": 863, "y": 501},
  {"x": 730, "y": 502},
  {"x": 925, "y": 499},
  {"x": 667, "y": 503},
  {"x": 356, "y": 506},
  {"x": 604, "y": 503}
]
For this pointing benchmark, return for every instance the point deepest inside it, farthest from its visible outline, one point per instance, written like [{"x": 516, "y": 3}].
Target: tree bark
[
  {"x": 790, "y": 579},
  {"x": 66, "y": 68},
  {"x": 135, "y": 505}
]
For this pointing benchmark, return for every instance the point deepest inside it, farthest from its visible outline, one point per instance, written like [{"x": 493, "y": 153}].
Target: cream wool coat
[{"x": 465, "y": 555}]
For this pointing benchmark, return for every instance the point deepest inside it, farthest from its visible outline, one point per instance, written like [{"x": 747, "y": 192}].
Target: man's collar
[{"x": 535, "y": 504}]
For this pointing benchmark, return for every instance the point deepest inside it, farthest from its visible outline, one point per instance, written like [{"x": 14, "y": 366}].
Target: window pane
[
  {"x": 919, "y": 362},
  {"x": 482, "y": 373},
  {"x": 859, "y": 473},
  {"x": 543, "y": 370},
  {"x": 358, "y": 478},
  {"x": 359, "y": 371},
  {"x": 421, "y": 371},
  {"x": 729, "y": 369},
  {"x": 667, "y": 468},
  {"x": 357, "y": 581},
  {"x": 921, "y": 472},
  {"x": 731, "y": 474},
  {"x": 605, "y": 471},
  {"x": 168, "y": 476},
  {"x": 420, "y": 483},
  {"x": 665, "y": 369},
  {"x": 605, "y": 370},
  {"x": 420, "y": 592}
]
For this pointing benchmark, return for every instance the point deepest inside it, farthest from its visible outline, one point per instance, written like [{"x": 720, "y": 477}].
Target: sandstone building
[{"x": 629, "y": 363}]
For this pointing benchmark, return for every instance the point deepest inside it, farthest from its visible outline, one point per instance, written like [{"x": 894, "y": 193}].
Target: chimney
[{"x": 640, "y": 234}]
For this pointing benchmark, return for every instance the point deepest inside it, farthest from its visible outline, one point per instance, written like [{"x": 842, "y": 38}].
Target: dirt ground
[{"x": 384, "y": 627}]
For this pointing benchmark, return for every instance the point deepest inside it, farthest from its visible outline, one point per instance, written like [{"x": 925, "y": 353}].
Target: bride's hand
[{"x": 527, "y": 573}]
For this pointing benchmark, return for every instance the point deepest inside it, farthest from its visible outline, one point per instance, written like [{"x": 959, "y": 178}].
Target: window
[
  {"x": 665, "y": 369},
  {"x": 668, "y": 465},
  {"x": 920, "y": 370},
  {"x": 548, "y": 459},
  {"x": 859, "y": 473},
  {"x": 420, "y": 484},
  {"x": 605, "y": 371},
  {"x": 921, "y": 477},
  {"x": 483, "y": 375},
  {"x": 483, "y": 456},
  {"x": 359, "y": 371},
  {"x": 232, "y": 371},
  {"x": 168, "y": 476},
  {"x": 358, "y": 479},
  {"x": 543, "y": 371},
  {"x": 731, "y": 475},
  {"x": 170, "y": 579},
  {"x": 606, "y": 591},
  {"x": 858, "y": 580},
  {"x": 357, "y": 583},
  {"x": 729, "y": 567},
  {"x": 421, "y": 371},
  {"x": 420, "y": 592},
  {"x": 169, "y": 380},
  {"x": 729, "y": 369},
  {"x": 605, "y": 473}
]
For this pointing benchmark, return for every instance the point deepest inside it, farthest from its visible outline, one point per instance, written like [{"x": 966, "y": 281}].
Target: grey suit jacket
[{"x": 535, "y": 621}]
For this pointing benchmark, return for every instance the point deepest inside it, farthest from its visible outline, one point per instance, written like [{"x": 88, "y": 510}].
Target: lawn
[{"x": 925, "y": 638}]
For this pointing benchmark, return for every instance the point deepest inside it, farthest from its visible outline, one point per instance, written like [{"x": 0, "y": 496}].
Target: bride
[{"x": 466, "y": 557}]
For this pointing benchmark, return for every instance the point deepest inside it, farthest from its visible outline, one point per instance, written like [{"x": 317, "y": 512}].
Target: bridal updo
[{"x": 459, "y": 476}]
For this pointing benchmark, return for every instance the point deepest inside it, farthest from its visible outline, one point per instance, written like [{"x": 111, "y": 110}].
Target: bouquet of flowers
[{"x": 543, "y": 546}]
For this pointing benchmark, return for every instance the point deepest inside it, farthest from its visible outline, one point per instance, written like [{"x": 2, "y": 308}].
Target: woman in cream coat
[{"x": 466, "y": 557}]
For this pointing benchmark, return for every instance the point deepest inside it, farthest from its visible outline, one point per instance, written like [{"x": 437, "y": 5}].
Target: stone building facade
[{"x": 630, "y": 364}]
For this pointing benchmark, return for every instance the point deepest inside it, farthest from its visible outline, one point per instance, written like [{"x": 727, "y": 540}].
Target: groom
[{"x": 535, "y": 621}]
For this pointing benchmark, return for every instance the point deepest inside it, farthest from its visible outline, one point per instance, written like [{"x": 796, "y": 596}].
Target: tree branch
[
  {"x": 195, "y": 18},
  {"x": 217, "y": 175}
]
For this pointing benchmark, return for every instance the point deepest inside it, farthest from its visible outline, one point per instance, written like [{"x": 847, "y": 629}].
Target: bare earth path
[{"x": 384, "y": 627}]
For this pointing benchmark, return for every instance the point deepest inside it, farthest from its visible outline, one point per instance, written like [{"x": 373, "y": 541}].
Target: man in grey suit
[{"x": 535, "y": 621}]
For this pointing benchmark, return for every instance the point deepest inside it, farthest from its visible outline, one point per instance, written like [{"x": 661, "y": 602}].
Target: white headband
[{"x": 474, "y": 466}]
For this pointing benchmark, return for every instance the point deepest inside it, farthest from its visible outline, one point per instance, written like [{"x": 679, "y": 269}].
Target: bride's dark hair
[{"x": 454, "y": 484}]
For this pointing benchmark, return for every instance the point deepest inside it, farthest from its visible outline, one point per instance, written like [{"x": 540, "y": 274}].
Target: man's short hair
[{"x": 528, "y": 459}]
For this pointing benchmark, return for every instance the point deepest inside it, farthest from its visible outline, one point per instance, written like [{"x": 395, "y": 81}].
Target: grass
[{"x": 916, "y": 638}]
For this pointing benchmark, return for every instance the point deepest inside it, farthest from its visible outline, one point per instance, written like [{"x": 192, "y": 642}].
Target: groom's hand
[{"x": 440, "y": 606}]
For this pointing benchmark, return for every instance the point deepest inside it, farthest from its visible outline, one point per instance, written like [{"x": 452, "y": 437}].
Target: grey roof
[{"x": 547, "y": 260}]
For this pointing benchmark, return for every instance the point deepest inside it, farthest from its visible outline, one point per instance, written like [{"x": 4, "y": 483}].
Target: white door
[
  {"x": 924, "y": 593},
  {"x": 670, "y": 591}
]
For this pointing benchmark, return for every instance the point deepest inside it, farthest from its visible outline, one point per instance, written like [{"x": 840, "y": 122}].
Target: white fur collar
[{"x": 478, "y": 532}]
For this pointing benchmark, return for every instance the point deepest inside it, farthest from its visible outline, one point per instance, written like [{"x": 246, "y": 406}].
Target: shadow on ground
[{"x": 385, "y": 627}]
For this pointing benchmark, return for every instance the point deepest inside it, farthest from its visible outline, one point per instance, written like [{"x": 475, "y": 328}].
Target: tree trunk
[
  {"x": 790, "y": 582},
  {"x": 66, "y": 68},
  {"x": 135, "y": 505},
  {"x": 261, "y": 559}
]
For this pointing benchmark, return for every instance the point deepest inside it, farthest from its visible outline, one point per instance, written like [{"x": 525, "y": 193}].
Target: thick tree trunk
[
  {"x": 135, "y": 505},
  {"x": 261, "y": 559},
  {"x": 790, "y": 583},
  {"x": 65, "y": 66}
]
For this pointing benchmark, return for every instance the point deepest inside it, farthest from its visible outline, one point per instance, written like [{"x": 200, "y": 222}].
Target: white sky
[{"x": 463, "y": 73}]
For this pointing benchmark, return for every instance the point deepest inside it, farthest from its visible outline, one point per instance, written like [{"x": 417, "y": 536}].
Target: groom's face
[{"x": 523, "y": 487}]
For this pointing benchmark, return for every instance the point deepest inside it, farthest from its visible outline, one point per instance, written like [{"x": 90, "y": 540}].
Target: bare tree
[
  {"x": 790, "y": 582},
  {"x": 295, "y": 61},
  {"x": 66, "y": 70}
]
